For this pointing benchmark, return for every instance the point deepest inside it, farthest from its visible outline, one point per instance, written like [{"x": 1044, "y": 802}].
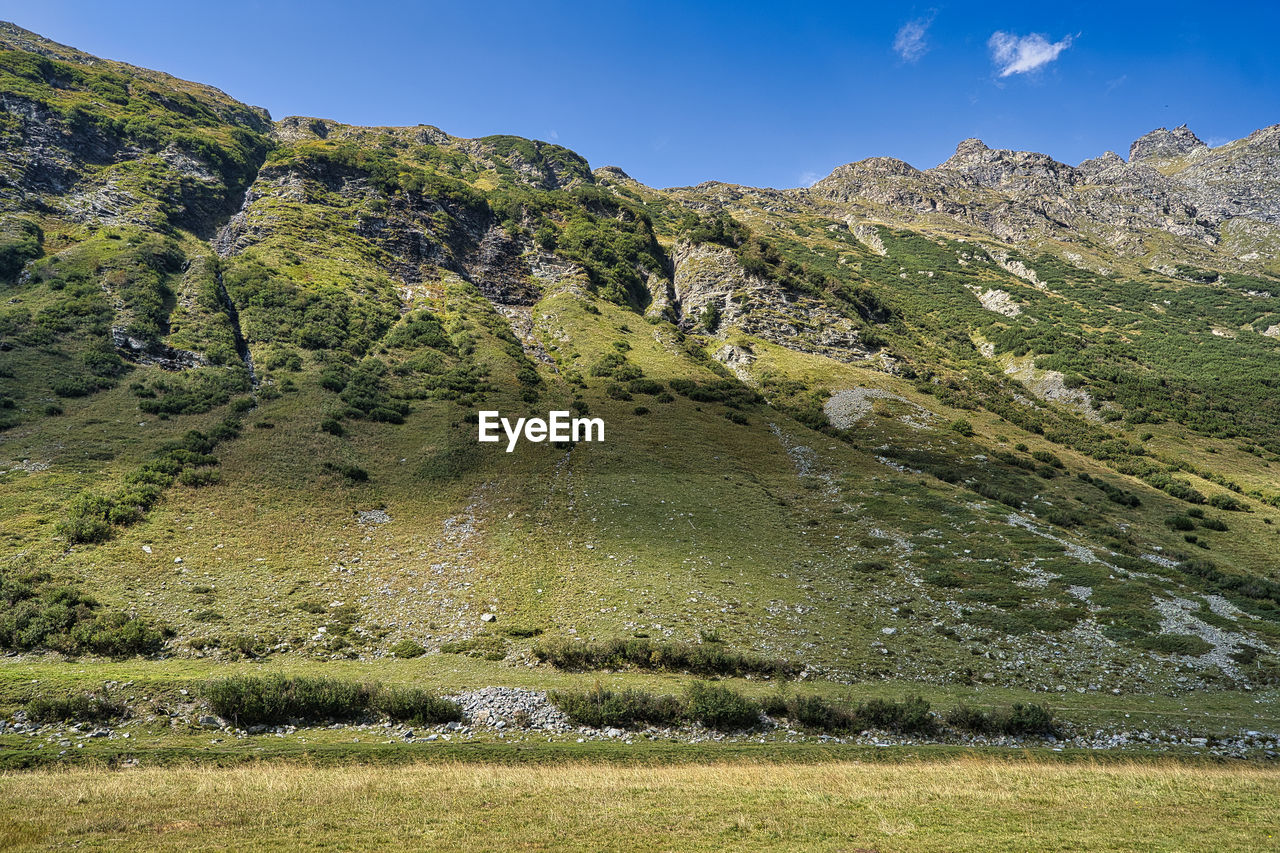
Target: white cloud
[
  {"x": 1020, "y": 54},
  {"x": 910, "y": 42},
  {"x": 808, "y": 179}
]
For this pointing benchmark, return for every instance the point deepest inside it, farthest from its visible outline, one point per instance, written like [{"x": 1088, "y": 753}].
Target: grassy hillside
[{"x": 242, "y": 363}]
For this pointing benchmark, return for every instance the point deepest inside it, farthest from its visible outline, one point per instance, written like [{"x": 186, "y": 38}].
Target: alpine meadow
[{"x": 938, "y": 509}]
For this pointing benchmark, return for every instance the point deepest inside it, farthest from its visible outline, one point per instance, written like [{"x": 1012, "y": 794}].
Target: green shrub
[
  {"x": 645, "y": 386},
  {"x": 408, "y": 649},
  {"x": 486, "y": 646},
  {"x": 719, "y": 707},
  {"x": 192, "y": 392},
  {"x": 416, "y": 706},
  {"x": 81, "y": 707},
  {"x": 37, "y": 615},
  {"x": 910, "y": 716},
  {"x": 602, "y": 708},
  {"x": 1226, "y": 502},
  {"x": 116, "y": 635},
  {"x": 74, "y": 386},
  {"x": 352, "y": 473},
  {"x": 196, "y": 477},
  {"x": 968, "y": 719},
  {"x": 705, "y": 659},
  {"x": 814, "y": 712},
  {"x": 275, "y": 699},
  {"x": 1028, "y": 719},
  {"x": 1019, "y": 720},
  {"x": 80, "y": 530},
  {"x": 710, "y": 317},
  {"x": 20, "y": 241},
  {"x": 1176, "y": 644}
]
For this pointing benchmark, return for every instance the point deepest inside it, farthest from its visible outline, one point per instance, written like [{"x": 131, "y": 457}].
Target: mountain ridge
[{"x": 1004, "y": 408}]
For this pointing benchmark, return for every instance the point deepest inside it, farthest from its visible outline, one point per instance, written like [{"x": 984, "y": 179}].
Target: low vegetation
[
  {"x": 719, "y": 707},
  {"x": 702, "y": 659},
  {"x": 97, "y": 707},
  {"x": 274, "y": 699},
  {"x": 39, "y": 614}
]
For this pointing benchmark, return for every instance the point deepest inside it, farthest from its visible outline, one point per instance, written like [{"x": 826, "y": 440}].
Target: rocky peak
[
  {"x": 613, "y": 173},
  {"x": 1165, "y": 143},
  {"x": 969, "y": 148},
  {"x": 994, "y": 167},
  {"x": 871, "y": 167},
  {"x": 884, "y": 180}
]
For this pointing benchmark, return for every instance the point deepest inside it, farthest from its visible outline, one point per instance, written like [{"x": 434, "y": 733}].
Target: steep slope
[{"x": 1005, "y": 420}]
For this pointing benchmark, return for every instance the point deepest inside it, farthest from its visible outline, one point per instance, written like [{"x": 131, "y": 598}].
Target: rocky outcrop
[
  {"x": 711, "y": 276},
  {"x": 153, "y": 352},
  {"x": 1008, "y": 170},
  {"x": 1000, "y": 302},
  {"x": 1165, "y": 144},
  {"x": 1102, "y": 168},
  {"x": 890, "y": 183},
  {"x": 1240, "y": 179}
]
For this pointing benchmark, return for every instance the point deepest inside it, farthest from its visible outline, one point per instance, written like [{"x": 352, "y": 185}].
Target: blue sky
[{"x": 766, "y": 94}]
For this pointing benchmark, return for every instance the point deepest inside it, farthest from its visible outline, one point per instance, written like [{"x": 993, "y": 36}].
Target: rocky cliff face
[
  {"x": 708, "y": 276},
  {"x": 1240, "y": 179}
]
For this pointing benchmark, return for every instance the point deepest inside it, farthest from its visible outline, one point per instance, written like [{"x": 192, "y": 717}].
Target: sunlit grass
[{"x": 965, "y": 804}]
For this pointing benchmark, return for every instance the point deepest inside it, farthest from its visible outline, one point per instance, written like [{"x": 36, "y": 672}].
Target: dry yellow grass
[{"x": 966, "y": 804}]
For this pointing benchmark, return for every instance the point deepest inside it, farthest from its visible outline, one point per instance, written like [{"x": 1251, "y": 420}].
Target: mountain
[{"x": 1005, "y": 420}]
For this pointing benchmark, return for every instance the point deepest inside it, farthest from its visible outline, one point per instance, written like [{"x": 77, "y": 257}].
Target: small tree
[{"x": 711, "y": 317}]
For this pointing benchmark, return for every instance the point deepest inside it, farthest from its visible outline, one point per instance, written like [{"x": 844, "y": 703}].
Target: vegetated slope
[{"x": 1005, "y": 420}]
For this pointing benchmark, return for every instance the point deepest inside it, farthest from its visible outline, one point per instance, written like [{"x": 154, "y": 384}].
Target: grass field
[{"x": 962, "y": 804}]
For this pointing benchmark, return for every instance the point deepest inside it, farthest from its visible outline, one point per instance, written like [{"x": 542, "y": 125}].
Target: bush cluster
[
  {"x": 719, "y": 707},
  {"x": 86, "y": 707},
  {"x": 603, "y": 708},
  {"x": 275, "y": 699},
  {"x": 35, "y": 614},
  {"x": 1018, "y": 720},
  {"x": 619, "y": 653},
  {"x": 91, "y": 517},
  {"x": 712, "y": 705},
  {"x": 910, "y": 716}
]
